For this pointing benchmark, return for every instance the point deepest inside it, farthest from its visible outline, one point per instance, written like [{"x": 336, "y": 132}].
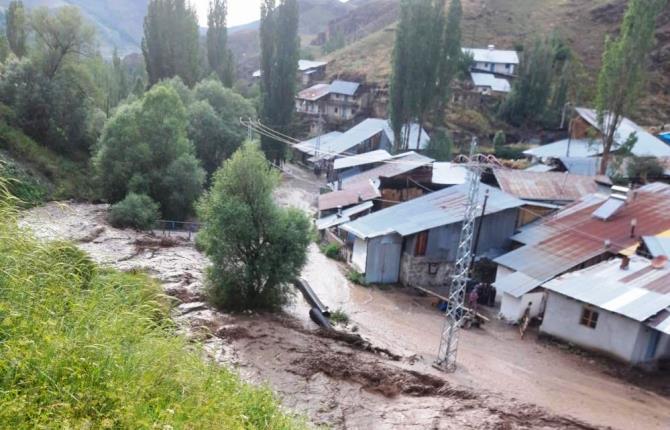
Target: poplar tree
[
  {"x": 280, "y": 48},
  {"x": 170, "y": 44},
  {"x": 621, "y": 78},
  {"x": 217, "y": 40},
  {"x": 16, "y": 28},
  {"x": 452, "y": 54}
]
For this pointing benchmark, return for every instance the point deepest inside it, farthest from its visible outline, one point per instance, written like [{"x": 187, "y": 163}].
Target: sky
[{"x": 239, "y": 11}]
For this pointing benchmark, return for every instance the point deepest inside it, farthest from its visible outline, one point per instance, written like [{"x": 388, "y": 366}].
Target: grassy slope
[
  {"x": 43, "y": 173},
  {"x": 84, "y": 347},
  {"x": 506, "y": 23}
]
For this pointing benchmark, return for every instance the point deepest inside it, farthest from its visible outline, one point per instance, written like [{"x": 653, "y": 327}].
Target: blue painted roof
[{"x": 433, "y": 210}]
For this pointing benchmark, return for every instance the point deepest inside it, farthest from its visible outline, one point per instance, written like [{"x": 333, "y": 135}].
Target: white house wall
[
  {"x": 512, "y": 308},
  {"x": 359, "y": 256},
  {"x": 614, "y": 334}
]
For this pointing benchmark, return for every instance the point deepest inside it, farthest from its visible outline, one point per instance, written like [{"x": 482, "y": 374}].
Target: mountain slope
[{"x": 509, "y": 23}]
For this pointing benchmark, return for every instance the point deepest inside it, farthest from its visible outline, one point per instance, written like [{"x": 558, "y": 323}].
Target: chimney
[
  {"x": 608, "y": 244},
  {"x": 492, "y": 47},
  {"x": 625, "y": 263},
  {"x": 339, "y": 211},
  {"x": 633, "y": 224}
]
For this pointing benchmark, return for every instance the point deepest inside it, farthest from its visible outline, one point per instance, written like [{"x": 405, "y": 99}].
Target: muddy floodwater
[{"x": 502, "y": 382}]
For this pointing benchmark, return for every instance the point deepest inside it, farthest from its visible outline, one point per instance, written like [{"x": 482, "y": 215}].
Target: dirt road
[{"x": 334, "y": 384}]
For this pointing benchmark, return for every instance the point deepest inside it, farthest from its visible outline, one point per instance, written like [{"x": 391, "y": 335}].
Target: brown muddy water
[{"x": 502, "y": 382}]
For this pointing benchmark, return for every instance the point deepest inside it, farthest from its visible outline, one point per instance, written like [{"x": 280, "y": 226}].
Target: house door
[
  {"x": 654, "y": 337},
  {"x": 390, "y": 249}
]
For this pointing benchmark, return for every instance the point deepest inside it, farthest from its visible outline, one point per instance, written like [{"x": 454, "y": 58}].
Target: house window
[
  {"x": 589, "y": 317},
  {"x": 421, "y": 244},
  {"x": 335, "y": 110}
]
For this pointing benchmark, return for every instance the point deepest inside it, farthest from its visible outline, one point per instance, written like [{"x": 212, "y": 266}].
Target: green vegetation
[
  {"x": 440, "y": 146},
  {"x": 331, "y": 250},
  {"x": 280, "y": 48},
  {"x": 24, "y": 185},
  {"x": 85, "y": 347},
  {"x": 171, "y": 41},
  {"x": 144, "y": 149},
  {"x": 644, "y": 169},
  {"x": 499, "y": 140},
  {"x": 334, "y": 42},
  {"x": 339, "y": 317},
  {"x": 622, "y": 75},
  {"x": 356, "y": 277},
  {"x": 135, "y": 211},
  {"x": 220, "y": 57},
  {"x": 257, "y": 247},
  {"x": 16, "y": 28}
]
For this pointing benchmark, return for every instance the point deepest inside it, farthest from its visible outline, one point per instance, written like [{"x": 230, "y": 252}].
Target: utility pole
[{"x": 446, "y": 356}]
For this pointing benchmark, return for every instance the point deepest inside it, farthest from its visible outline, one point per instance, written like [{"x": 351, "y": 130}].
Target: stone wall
[{"x": 424, "y": 272}]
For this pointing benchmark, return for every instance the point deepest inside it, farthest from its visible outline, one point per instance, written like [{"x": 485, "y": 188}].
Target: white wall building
[
  {"x": 493, "y": 60},
  {"x": 621, "y": 311}
]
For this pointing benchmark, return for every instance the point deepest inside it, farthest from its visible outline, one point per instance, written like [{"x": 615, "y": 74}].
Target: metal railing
[{"x": 167, "y": 227}]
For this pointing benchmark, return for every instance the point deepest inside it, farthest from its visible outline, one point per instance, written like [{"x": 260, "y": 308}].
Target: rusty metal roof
[
  {"x": 545, "y": 186},
  {"x": 573, "y": 236},
  {"x": 639, "y": 292},
  {"x": 358, "y": 193}
]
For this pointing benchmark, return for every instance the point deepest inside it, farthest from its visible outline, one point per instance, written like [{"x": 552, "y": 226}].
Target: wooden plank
[{"x": 441, "y": 297}]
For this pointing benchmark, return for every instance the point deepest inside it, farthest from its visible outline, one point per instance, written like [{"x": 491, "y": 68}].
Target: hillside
[
  {"x": 118, "y": 22},
  {"x": 508, "y": 23}
]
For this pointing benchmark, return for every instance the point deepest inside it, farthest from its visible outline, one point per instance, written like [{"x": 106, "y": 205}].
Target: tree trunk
[{"x": 608, "y": 142}]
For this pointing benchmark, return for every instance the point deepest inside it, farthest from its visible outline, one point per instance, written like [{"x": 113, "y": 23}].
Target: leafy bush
[
  {"x": 356, "y": 277},
  {"x": 339, "y": 317},
  {"x": 97, "y": 349},
  {"x": 29, "y": 189},
  {"x": 510, "y": 152},
  {"x": 135, "y": 211},
  {"x": 331, "y": 250}
]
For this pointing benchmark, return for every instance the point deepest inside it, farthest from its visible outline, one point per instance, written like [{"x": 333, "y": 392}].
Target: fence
[{"x": 167, "y": 227}]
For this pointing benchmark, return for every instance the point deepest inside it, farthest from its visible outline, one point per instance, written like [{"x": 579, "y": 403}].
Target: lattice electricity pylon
[{"x": 446, "y": 356}]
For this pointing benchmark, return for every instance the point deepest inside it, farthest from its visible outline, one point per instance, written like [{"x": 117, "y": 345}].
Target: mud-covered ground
[{"x": 501, "y": 383}]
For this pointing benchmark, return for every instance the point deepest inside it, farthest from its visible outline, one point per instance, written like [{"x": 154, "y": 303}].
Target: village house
[
  {"x": 369, "y": 135},
  {"x": 594, "y": 228},
  {"x": 416, "y": 242},
  {"x": 492, "y": 60},
  {"x": 580, "y": 152},
  {"x": 620, "y": 307},
  {"x": 309, "y": 72},
  {"x": 338, "y": 102},
  {"x": 489, "y": 84}
]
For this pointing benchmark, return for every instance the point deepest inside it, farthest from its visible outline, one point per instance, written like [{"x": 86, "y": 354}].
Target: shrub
[
  {"x": 356, "y": 277},
  {"x": 510, "y": 152},
  {"x": 106, "y": 356},
  {"x": 339, "y": 317},
  {"x": 331, "y": 250},
  {"x": 135, "y": 211}
]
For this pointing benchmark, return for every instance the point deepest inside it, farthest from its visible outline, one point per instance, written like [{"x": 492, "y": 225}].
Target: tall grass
[{"x": 86, "y": 347}]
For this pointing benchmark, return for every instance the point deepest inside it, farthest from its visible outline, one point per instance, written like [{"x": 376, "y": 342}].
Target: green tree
[
  {"x": 144, "y": 149},
  {"x": 171, "y": 41},
  {"x": 217, "y": 41},
  {"x": 527, "y": 102},
  {"x": 16, "y": 27},
  {"x": 622, "y": 75},
  {"x": 256, "y": 247},
  {"x": 61, "y": 35},
  {"x": 451, "y": 56},
  {"x": 280, "y": 47},
  {"x": 137, "y": 211},
  {"x": 499, "y": 140},
  {"x": 440, "y": 146},
  {"x": 644, "y": 169},
  {"x": 4, "y": 49}
]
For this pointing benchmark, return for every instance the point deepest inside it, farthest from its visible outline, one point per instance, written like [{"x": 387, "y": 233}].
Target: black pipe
[
  {"x": 319, "y": 318},
  {"x": 311, "y": 297}
]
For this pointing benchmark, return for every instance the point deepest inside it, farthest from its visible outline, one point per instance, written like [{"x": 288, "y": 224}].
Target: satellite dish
[{"x": 659, "y": 262}]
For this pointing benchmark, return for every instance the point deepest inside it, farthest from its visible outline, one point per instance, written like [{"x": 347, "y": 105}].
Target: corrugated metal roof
[
  {"x": 355, "y": 194},
  {"x": 491, "y": 81},
  {"x": 344, "y": 87},
  {"x": 657, "y": 245},
  {"x": 352, "y": 137},
  {"x": 397, "y": 165},
  {"x": 433, "y": 210},
  {"x": 572, "y": 236},
  {"x": 539, "y": 168},
  {"x": 345, "y": 216},
  {"x": 585, "y": 166},
  {"x": 412, "y": 144},
  {"x": 630, "y": 293},
  {"x": 578, "y": 148},
  {"x": 547, "y": 186},
  {"x": 314, "y": 92},
  {"x": 309, "y": 146},
  {"x": 646, "y": 145},
  {"x": 361, "y": 159},
  {"x": 493, "y": 55},
  {"x": 303, "y": 66},
  {"x": 449, "y": 174}
]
